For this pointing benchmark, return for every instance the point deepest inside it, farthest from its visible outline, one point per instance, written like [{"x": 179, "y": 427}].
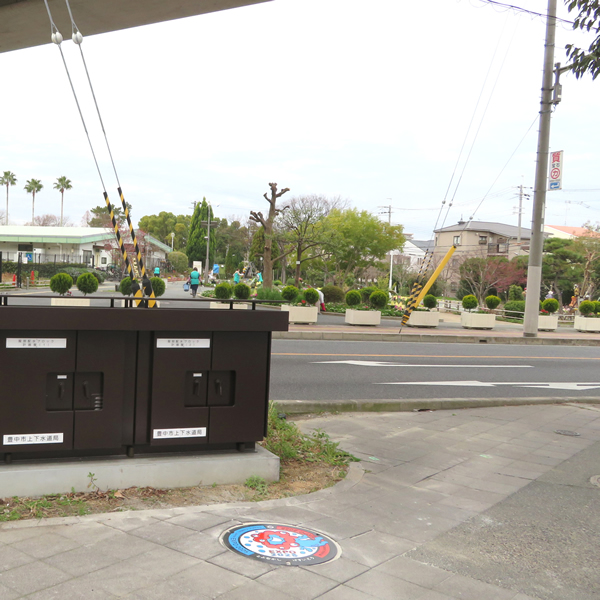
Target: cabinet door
[
  {"x": 104, "y": 389},
  {"x": 245, "y": 355},
  {"x": 36, "y": 390},
  {"x": 180, "y": 366}
]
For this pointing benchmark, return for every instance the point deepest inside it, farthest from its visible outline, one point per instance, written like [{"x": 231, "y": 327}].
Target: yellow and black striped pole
[
  {"x": 146, "y": 284},
  {"x": 134, "y": 284},
  {"x": 419, "y": 290}
]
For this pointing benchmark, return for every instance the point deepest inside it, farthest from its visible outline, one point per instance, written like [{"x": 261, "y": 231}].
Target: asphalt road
[{"x": 336, "y": 370}]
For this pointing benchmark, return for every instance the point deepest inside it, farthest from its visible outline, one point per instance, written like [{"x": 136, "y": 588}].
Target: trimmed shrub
[
  {"x": 353, "y": 298},
  {"x": 87, "y": 283},
  {"x": 333, "y": 293},
  {"x": 378, "y": 300},
  {"x": 597, "y": 306},
  {"x": 586, "y": 307},
  {"x": 277, "y": 282},
  {"x": 158, "y": 286},
  {"x": 469, "y": 302},
  {"x": 268, "y": 294},
  {"x": 61, "y": 283},
  {"x": 223, "y": 291},
  {"x": 289, "y": 293},
  {"x": 125, "y": 286},
  {"x": 430, "y": 301},
  {"x": 514, "y": 309},
  {"x": 366, "y": 293},
  {"x": 179, "y": 261},
  {"x": 311, "y": 296},
  {"x": 550, "y": 305},
  {"x": 241, "y": 291},
  {"x": 492, "y": 302},
  {"x": 515, "y": 292}
]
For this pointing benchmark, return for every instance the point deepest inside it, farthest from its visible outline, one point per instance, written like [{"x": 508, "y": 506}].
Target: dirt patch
[{"x": 297, "y": 478}]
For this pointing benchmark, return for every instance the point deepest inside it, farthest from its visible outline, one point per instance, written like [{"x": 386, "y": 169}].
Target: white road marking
[
  {"x": 374, "y": 363},
  {"x": 558, "y": 385}
]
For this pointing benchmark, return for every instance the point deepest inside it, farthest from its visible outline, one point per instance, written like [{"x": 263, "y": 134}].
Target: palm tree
[
  {"x": 62, "y": 184},
  {"x": 7, "y": 179},
  {"x": 33, "y": 186}
]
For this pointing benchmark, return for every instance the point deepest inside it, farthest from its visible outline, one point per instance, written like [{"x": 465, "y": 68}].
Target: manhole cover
[
  {"x": 280, "y": 544},
  {"x": 595, "y": 480},
  {"x": 567, "y": 432}
]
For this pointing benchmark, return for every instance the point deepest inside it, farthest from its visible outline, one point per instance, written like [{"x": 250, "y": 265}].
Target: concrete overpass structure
[{"x": 25, "y": 23}]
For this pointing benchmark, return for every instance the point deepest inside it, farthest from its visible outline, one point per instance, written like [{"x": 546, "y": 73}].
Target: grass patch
[{"x": 287, "y": 441}]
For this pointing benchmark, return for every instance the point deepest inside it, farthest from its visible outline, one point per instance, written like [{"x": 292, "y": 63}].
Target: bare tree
[{"x": 267, "y": 224}]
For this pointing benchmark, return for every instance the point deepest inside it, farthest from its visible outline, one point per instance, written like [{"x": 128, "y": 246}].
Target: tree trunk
[
  {"x": 298, "y": 263},
  {"x": 62, "y": 194},
  {"x": 32, "y": 206}
]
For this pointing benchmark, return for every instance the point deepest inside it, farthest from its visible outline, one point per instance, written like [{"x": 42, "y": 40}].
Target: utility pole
[
  {"x": 534, "y": 270},
  {"x": 520, "y": 209},
  {"x": 389, "y": 213}
]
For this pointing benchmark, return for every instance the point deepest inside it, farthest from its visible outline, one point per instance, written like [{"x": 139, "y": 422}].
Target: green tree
[
  {"x": 304, "y": 228},
  {"x": 99, "y": 216},
  {"x": 62, "y": 184},
  {"x": 561, "y": 267},
  {"x": 268, "y": 223},
  {"x": 7, "y": 179},
  {"x": 358, "y": 240},
  {"x": 588, "y": 245},
  {"x": 196, "y": 244},
  {"x": 161, "y": 227},
  {"x": 33, "y": 186},
  {"x": 587, "y": 19},
  {"x": 479, "y": 275}
]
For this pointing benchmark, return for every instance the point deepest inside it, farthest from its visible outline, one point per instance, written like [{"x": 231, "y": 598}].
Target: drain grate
[{"x": 567, "y": 432}]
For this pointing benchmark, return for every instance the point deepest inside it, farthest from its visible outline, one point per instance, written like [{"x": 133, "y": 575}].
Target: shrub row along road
[{"x": 335, "y": 370}]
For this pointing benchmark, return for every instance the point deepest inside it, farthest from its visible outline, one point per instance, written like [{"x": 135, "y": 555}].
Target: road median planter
[
  {"x": 301, "y": 314},
  {"x": 471, "y": 320},
  {"x": 591, "y": 324},
  {"x": 363, "y": 317},
  {"x": 422, "y": 318},
  {"x": 548, "y": 322}
]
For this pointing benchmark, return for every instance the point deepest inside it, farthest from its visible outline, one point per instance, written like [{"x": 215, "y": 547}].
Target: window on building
[
  {"x": 456, "y": 240},
  {"x": 483, "y": 239},
  {"x": 103, "y": 260},
  {"x": 25, "y": 247}
]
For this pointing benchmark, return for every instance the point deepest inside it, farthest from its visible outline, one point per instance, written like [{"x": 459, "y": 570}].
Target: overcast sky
[{"x": 369, "y": 101}]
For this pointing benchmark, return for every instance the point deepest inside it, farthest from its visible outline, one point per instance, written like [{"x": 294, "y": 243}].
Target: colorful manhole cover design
[{"x": 280, "y": 544}]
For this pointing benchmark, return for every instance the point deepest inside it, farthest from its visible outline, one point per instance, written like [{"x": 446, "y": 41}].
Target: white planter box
[
  {"x": 225, "y": 305},
  {"x": 421, "y": 318},
  {"x": 587, "y": 323},
  {"x": 301, "y": 314},
  {"x": 471, "y": 320},
  {"x": 548, "y": 322},
  {"x": 363, "y": 317},
  {"x": 69, "y": 301}
]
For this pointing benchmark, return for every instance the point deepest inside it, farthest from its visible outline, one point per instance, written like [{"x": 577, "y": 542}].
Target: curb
[{"x": 299, "y": 407}]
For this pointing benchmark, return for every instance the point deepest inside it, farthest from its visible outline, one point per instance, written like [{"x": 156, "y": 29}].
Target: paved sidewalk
[{"x": 423, "y": 477}]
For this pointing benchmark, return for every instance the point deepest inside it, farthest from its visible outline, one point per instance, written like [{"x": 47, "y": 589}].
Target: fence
[{"x": 456, "y": 306}]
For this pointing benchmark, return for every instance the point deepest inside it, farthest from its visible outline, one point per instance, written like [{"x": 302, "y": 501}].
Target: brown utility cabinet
[{"x": 94, "y": 381}]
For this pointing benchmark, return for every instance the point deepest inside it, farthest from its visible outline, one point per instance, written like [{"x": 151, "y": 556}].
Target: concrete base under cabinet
[{"x": 56, "y": 477}]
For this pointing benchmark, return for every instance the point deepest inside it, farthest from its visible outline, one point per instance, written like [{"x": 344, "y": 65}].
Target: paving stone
[
  {"x": 241, "y": 565},
  {"x": 33, "y": 577},
  {"x": 339, "y": 529},
  {"x": 127, "y": 523},
  {"x": 198, "y": 545},
  {"x": 175, "y": 590},
  {"x": 343, "y": 592},
  {"x": 375, "y": 547},
  {"x": 141, "y": 571},
  {"x": 45, "y": 545},
  {"x": 411, "y": 570},
  {"x": 254, "y": 589},
  {"x": 7, "y": 593},
  {"x": 199, "y": 521},
  {"x": 386, "y": 587},
  {"x": 162, "y": 532},
  {"x": 74, "y": 589},
  {"x": 340, "y": 570},
  {"x": 298, "y": 583},
  {"x": 16, "y": 532},
  {"x": 11, "y": 558}
]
